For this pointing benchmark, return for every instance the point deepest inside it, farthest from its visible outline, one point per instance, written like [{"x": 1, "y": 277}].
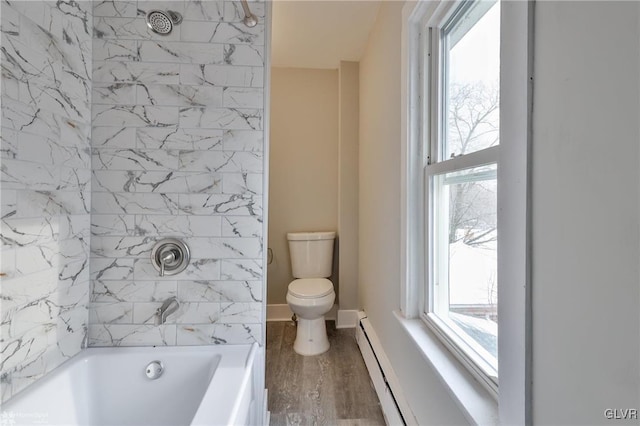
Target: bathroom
[{"x": 114, "y": 138}]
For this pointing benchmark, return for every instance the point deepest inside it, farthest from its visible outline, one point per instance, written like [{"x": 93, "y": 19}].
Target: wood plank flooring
[{"x": 329, "y": 389}]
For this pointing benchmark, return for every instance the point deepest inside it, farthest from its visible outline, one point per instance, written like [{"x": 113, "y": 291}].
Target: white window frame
[
  {"x": 514, "y": 293},
  {"x": 432, "y": 83}
]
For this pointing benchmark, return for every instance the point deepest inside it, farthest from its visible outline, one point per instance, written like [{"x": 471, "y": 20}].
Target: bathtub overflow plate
[{"x": 154, "y": 370}]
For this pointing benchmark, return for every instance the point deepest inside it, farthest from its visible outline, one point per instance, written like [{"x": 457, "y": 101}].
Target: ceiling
[{"x": 320, "y": 33}]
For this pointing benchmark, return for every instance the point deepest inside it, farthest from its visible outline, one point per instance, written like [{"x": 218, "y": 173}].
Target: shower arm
[{"x": 250, "y": 20}]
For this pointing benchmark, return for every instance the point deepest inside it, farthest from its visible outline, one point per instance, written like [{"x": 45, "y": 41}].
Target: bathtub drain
[{"x": 154, "y": 370}]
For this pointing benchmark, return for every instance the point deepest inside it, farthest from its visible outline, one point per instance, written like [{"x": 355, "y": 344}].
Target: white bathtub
[{"x": 200, "y": 385}]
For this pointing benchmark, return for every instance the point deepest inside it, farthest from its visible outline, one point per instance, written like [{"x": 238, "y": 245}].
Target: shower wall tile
[
  {"x": 44, "y": 187},
  {"x": 177, "y": 151},
  {"x": 219, "y": 75}
]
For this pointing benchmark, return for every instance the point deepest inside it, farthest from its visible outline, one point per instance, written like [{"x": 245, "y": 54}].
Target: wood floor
[{"x": 329, "y": 389}]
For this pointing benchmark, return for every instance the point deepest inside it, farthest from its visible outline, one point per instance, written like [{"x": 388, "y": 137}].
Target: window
[{"x": 462, "y": 140}]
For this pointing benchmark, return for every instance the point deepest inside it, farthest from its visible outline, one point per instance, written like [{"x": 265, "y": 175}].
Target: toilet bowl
[
  {"x": 310, "y": 299},
  {"x": 311, "y": 295}
]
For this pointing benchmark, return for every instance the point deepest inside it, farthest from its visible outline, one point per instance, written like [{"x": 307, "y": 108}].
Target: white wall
[
  {"x": 379, "y": 218},
  {"x": 585, "y": 212},
  {"x": 349, "y": 125},
  {"x": 303, "y": 164}
]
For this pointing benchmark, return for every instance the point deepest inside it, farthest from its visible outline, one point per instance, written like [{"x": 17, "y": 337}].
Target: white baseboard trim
[
  {"x": 347, "y": 318},
  {"x": 282, "y": 312},
  {"x": 395, "y": 407}
]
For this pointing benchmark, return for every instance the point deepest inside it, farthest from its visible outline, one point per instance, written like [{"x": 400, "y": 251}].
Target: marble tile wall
[
  {"x": 177, "y": 151},
  {"x": 44, "y": 186}
]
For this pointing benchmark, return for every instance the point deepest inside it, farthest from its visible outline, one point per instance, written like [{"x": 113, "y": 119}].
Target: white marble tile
[
  {"x": 242, "y": 226},
  {"x": 145, "y": 313},
  {"x": 111, "y": 269},
  {"x": 8, "y": 143},
  {"x": 239, "y": 183},
  {"x": 179, "y": 138},
  {"x": 181, "y": 52},
  {"x": 27, "y": 118},
  {"x": 221, "y": 161},
  {"x": 130, "y": 291},
  {"x": 111, "y": 313},
  {"x": 115, "y": 50},
  {"x": 219, "y": 334},
  {"x": 25, "y": 289},
  {"x": 134, "y": 115},
  {"x": 113, "y": 137},
  {"x": 204, "y": 10},
  {"x": 239, "y": 97},
  {"x": 145, "y": 6},
  {"x": 244, "y": 54},
  {"x": 31, "y": 346},
  {"x": 114, "y": 93},
  {"x": 243, "y": 140},
  {"x": 122, "y": 247},
  {"x": 136, "y": 72},
  {"x": 131, "y": 335},
  {"x": 135, "y": 159},
  {"x": 240, "y": 312},
  {"x": 26, "y": 232},
  {"x": 198, "y": 313},
  {"x": 44, "y": 150},
  {"x": 224, "y": 248},
  {"x": 220, "y": 204},
  {"x": 8, "y": 205},
  {"x": 178, "y": 95},
  {"x": 221, "y": 75},
  {"x": 73, "y": 283},
  {"x": 223, "y": 32},
  {"x": 241, "y": 269},
  {"x": 69, "y": 98},
  {"x": 238, "y": 291},
  {"x": 221, "y": 118},
  {"x": 198, "y": 291},
  {"x": 116, "y": 8},
  {"x": 112, "y": 225},
  {"x": 132, "y": 203},
  {"x": 186, "y": 226},
  {"x": 37, "y": 203},
  {"x": 155, "y": 181},
  {"x": 36, "y": 258}
]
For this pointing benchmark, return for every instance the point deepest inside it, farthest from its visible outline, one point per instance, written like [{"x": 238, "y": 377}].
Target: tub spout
[{"x": 168, "y": 307}]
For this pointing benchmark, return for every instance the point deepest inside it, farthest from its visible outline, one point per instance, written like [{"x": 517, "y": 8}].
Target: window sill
[{"x": 476, "y": 402}]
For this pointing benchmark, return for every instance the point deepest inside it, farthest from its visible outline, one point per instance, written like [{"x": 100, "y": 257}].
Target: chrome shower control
[{"x": 170, "y": 256}]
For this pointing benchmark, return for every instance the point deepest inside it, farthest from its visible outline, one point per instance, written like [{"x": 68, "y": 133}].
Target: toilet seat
[{"x": 310, "y": 288}]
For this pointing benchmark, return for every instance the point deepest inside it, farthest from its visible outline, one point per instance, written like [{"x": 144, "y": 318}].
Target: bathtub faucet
[{"x": 168, "y": 307}]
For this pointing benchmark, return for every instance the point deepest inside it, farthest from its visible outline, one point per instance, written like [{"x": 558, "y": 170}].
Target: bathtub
[{"x": 199, "y": 385}]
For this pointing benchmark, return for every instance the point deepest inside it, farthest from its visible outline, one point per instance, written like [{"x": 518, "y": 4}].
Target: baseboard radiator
[{"x": 395, "y": 408}]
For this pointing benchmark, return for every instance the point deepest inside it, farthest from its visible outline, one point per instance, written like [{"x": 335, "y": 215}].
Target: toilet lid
[{"x": 310, "y": 287}]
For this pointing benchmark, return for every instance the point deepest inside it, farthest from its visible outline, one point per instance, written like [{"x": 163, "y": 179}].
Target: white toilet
[{"x": 311, "y": 296}]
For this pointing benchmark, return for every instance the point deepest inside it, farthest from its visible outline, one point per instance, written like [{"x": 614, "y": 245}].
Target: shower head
[{"x": 162, "y": 22}]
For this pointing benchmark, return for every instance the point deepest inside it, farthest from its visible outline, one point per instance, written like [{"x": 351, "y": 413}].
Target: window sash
[{"x": 435, "y": 116}]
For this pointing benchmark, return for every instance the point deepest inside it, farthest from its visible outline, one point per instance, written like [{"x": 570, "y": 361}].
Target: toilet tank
[{"x": 311, "y": 253}]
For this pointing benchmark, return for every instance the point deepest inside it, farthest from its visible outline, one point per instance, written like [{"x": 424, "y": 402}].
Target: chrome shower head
[{"x": 162, "y": 22}]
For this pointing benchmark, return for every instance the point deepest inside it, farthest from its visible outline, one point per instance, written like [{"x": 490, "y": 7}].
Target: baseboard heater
[{"x": 395, "y": 408}]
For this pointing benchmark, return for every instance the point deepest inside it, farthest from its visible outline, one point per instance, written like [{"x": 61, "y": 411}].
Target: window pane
[
  {"x": 466, "y": 250},
  {"x": 471, "y": 62}
]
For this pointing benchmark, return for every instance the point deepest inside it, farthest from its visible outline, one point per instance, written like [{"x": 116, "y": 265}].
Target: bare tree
[{"x": 472, "y": 125}]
